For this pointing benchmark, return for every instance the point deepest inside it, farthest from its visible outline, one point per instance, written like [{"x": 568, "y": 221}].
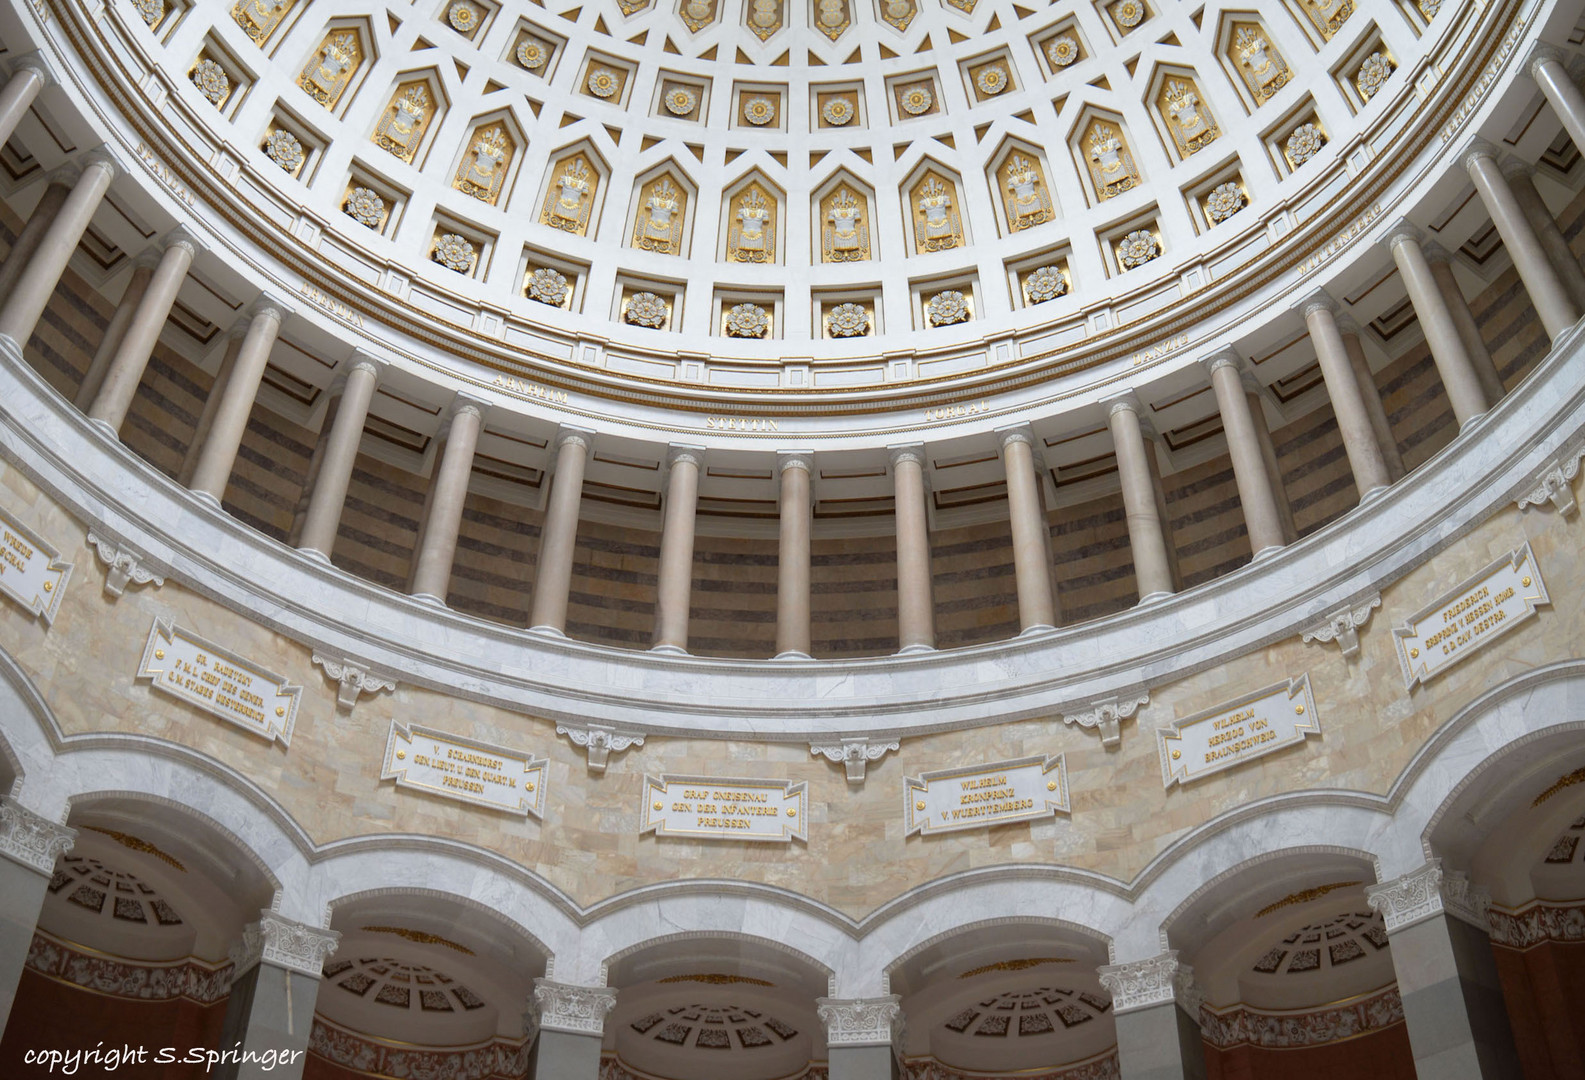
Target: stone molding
[
  {"x": 581, "y": 437},
  {"x": 854, "y": 752},
  {"x": 1243, "y": 1025},
  {"x": 914, "y": 452},
  {"x": 30, "y": 839},
  {"x": 1141, "y": 984},
  {"x": 268, "y": 305},
  {"x": 1128, "y": 401},
  {"x": 183, "y": 237},
  {"x": 1227, "y": 356},
  {"x": 285, "y": 943},
  {"x": 580, "y": 1010},
  {"x": 684, "y": 454},
  {"x": 1539, "y": 922},
  {"x": 600, "y": 741},
  {"x": 1105, "y": 1068},
  {"x": 123, "y": 565},
  {"x": 374, "y": 1057},
  {"x": 1515, "y": 168},
  {"x": 1540, "y": 53},
  {"x": 1427, "y": 892},
  {"x": 1015, "y": 433},
  {"x": 1106, "y": 717},
  {"x": 795, "y": 459},
  {"x": 353, "y": 679},
  {"x": 1555, "y": 483},
  {"x": 133, "y": 980},
  {"x": 103, "y": 157},
  {"x": 875, "y": 1021},
  {"x": 1343, "y": 626}
]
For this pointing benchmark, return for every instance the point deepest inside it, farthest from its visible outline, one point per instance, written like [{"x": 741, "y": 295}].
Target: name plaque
[
  {"x": 31, "y": 570},
  {"x": 472, "y": 772},
  {"x": 723, "y": 808},
  {"x": 1485, "y": 607},
  {"x": 219, "y": 682},
  {"x": 979, "y": 796},
  {"x": 1252, "y": 726}
]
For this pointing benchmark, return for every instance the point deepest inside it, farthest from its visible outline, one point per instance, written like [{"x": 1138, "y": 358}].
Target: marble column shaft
[
  {"x": 19, "y": 92},
  {"x": 571, "y": 1022},
  {"x": 1553, "y": 304},
  {"x": 1365, "y": 378},
  {"x": 1158, "y": 1036},
  {"x": 674, "y": 587},
  {"x": 1261, "y": 517},
  {"x": 793, "y": 556},
  {"x": 1031, "y": 554},
  {"x": 270, "y": 1013},
  {"x": 916, "y": 617},
  {"x": 56, "y": 191},
  {"x": 1464, "y": 321},
  {"x": 30, "y": 845},
  {"x": 219, "y": 454},
  {"x": 1268, "y": 454},
  {"x": 1546, "y": 68},
  {"x": 1348, "y": 399},
  {"x": 1453, "y": 364},
  {"x": 143, "y": 333},
  {"x": 553, "y": 575},
  {"x": 862, "y": 1063},
  {"x": 212, "y": 400},
  {"x": 332, "y": 472},
  {"x": 1521, "y": 179},
  {"x": 564, "y": 1055},
  {"x": 448, "y": 493},
  {"x": 1152, "y": 565},
  {"x": 21, "y": 309},
  {"x": 115, "y": 332}
]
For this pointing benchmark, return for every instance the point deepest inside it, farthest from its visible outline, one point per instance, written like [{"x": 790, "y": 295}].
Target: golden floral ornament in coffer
[
  {"x": 838, "y": 111},
  {"x": 1373, "y": 74},
  {"x": 211, "y": 80},
  {"x": 1304, "y": 143},
  {"x": 603, "y": 82},
  {"x": 1045, "y": 283},
  {"x": 747, "y": 321},
  {"x": 548, "y": 286},
  {"x": 1128, "y": 14},
  {"x": 645, "y": 309},
  {"x": 991, "y": 80},
  {"x": 681, "y": 101},
  {"x": 1062, "y": 50},
  {"x": 464, "y": 17},
  {"x": 283, "y": 148},
  {"x": 916, "y": 100},
  {"x": 150, "y": 11},
  {"x": 532, "y": 54},
  {"x": 1224, "y": 201},
  {"x": 847, "y": 320},
  {"x": 366, "y": 207},
  {"x": 455, "y": 252},
  {"x": 947, "y": 307},
  {"x": 1137, "y": 248},
  {"x": 759, "y": 110}
]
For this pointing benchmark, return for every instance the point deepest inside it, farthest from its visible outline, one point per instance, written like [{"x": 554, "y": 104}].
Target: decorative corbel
[
  {"x": 1107, "y": 717},
  {"x": 1555, "y": 484},
  {"x": 124, "y": 566},
  {"x": 854, "y": 752},
  {"x": 354, "y": 679},
  {"x": 1343, "y": 626},
  {"x": 599, "y": 740}
]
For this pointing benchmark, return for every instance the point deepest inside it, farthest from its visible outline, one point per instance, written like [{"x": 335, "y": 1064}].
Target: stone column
[
  {"x": 1552, "y": 302},
  {"x": 126, "y": 368},
  {"x": 219, "y": 454},
  {"x": 553, "y": 578},
  {"x": 331, "y": 471},
  {"x": 1464, "y": 320},
  {"x": 448, "y": 491},
  {"x": 275, "y": 981},
  {"x": 861, "y": 1035},
  {"x": 116, "y": 330},
  {"x": 1545, "y": 65},
  {"x": 1268, "y": 454},
  {"x": 1521, "y": 181},
  {"x": 1158, "y": 1037},
  {"x": 1453, "y": 364},
  {"x": 1441, "y": 951},
  {"x": 56, "y": 190},
  {"x": 674, "y": 590},
  {"x": 1348, "y": 399},
  {"x": 1031, "y": 554},
  {"x": 792, "y": 554},
  {"x": 1261, "y": 517},
  {"x": 571, "y": 1025},
  {"x": 28, "y": 77},
  {"x": 1365, "y": 378},
  {"x": 916, "y": 615},
  {"x": 1155, "y": 448},
  {"x": 30, "y": 844},
  {"x": 22, "y": 307},
  {"x": 206, "y": 416},
  {"x": 1146, "y": 539}
]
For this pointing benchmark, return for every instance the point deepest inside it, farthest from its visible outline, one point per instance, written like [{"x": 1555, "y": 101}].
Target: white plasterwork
[
  {"x": 600, "y": 740},
  {"x": 123, "y": 565},
  {"x": 578, "y": 1009},
  {"x": 1427, "y": 892},
  {"x": 1107, "y": 716},
  {"x": 284, "y": 942},
  {"x": 861, "y": 1021},
  {"x": 31, "y": 840},
  {"x": 353, "y": 679},
  {"x": 1343, "y": 626},
  {"x": 854, "y": 753},
  {"x": 1140, "y": 984},
  {"x": 1555, "y": 484}
]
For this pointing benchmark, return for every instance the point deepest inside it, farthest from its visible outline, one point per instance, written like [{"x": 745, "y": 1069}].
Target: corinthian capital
[
  {"x": 31, "y": 840},
  {"x": 861, "y": 1021},
  {"x": 1140, "y": 984},
  {"x": 578, "y": 1009},
  {"x": 1427, "y": 892},
  {"x": 284, "y": 942}
]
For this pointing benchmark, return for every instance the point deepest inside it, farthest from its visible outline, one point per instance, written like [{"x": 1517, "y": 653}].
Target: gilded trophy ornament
[
  {"x": 832, "y": 18},
  {"x": 283, "y": 148},
  {"x": 1261, "y": 66},
  {"x": 662, "y": 206},
  {"x": 937, "y": 226},
  {"x": 764, "y": 18},
  {"x": 747, "y": 321},
  {"x": 1027, "y": 203},
  {"x": 1112, "y": 165},
  {"x": 548, "y": 286},
  {"x": 211, "y": 80},
  {"x": 1328, "y": 15},
  {"x": 1137, "y": 248},
  {"x": 366, "y": 207},
  {"x": 844, "y": 232},
  {"x": 947, "y": 307},
  {"x": 331, "y": 68},
  {"x": 645, "y": 309},
  {"x": 899, "y": 13},
  {"x": 751, "y": 233},
  {"x": 482, "y": 172},
  {"x": 1191, "y": 123},
  {"x": 847, "y": 320},
  {"x": 259, "y": 18},
  {"x": 455, "y": 253},
  {"x": 570, "y": 199},
  {"x": 696, "y": 14},
  {"x": 401, "y": 126}
]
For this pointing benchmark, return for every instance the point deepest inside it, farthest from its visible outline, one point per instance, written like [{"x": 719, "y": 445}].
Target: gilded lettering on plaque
[
  {"x": 220, "y": 682},
  {"x": 1501, "y": 597},
  {"x": 724, "y": 808}
]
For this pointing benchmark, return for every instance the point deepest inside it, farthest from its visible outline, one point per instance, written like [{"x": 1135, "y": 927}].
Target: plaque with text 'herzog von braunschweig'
[{"x": 1241, "y": 730}]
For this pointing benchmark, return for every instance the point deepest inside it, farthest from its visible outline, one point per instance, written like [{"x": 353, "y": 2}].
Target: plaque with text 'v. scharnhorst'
[
  {"x": 31, "y": 571},
  {"x": 725, "y": 808},
  {"x": 472, "y": 772},
  {"x": 1238, "y": 731},
  {"x": 978, "y": 796},
  {"x": 219, "y": 681},
  {"x": 1485, "y": 607}
]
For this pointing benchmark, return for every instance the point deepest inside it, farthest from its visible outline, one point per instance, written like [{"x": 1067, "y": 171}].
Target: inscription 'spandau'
[
  {"x": 219, "y": 682},
  {"x": 723, "y": 808},
  {"x": 472, "y": 772},
  {"x": 979, "y": 796},
  {"x": 1485, "y": 607},
  {"x": 530, "y": 390},
  {"x": 31, "y": 570},
  {"x": 1231, "y": 734}
]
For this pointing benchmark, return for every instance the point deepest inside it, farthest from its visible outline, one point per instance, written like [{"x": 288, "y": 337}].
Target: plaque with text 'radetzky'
[
  {"x": 723, "y": 808},
  {"x": 978, "y": 796},
  {"x": 458, "y": 768},
  {"x": 219, "y": 682},
  {"x": 1482, "y": 609},
  {"x": 31, "y": 570},
  {"x": 1250, "y": 727}
]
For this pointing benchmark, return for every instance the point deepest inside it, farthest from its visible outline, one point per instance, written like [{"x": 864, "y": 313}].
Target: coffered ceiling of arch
[{"x": 763, "y": 171}]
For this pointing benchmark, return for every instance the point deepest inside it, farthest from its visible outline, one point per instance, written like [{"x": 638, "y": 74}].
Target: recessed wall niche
[
  {"x": 553, "y": 280},
  {"x": 534, "y": 50},
  {"x": 220, "y": 78},
  {"x": 648, "y": 303},
  {"x": 748, "y": 314},
  {"x": 372, "y": 201}
]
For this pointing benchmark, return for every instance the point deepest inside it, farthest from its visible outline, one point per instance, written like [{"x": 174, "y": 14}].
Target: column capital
[
  {"x": 1402, "y": 231},
  {"x": 1347, "y": 325},
  {"x": 1421, "y": 894},
  {"x": 31, "y": 839},
  {"x": 1476, "y": 149},
  {"x": 577, "y": 436},
  {"x": 362, "y": 361},
  {"x": 34, "y": 62},
  {"x": 685, "y": 454},
  {"x": 1140, "y": 984},
  {"x": 266, "y": 305},
  {"x": 285, "y": 943},
  {"x": 1317, "y": 300},
  {"x": 66, "y": 174},
  {"x": 1016, "y": 433},
  {"x": 102, "y": 157},
  {"x": 1227, "y": 356},
  {"x": 1515, "y": 168},
  {"x": 1436, "y": 253},
  {"x": 580, "y": 1010},
  {"x": 914, "y": 452},
  {"x": 861, "y": 1021},
  {"x": 1127, "y": 401},
  {"x": 182, "y": 237},
  {"x": 1540, "y": 54},
  {"x": 465, "y": 403},
  {"x": 795, "y": 459},
  {"x": 147, "y": 259}
]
